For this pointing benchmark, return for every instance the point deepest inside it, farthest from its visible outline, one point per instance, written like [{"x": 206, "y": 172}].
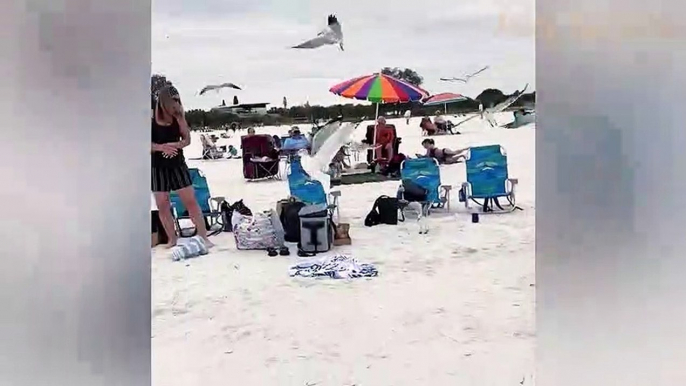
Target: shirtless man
[{"x": 384, "y": 138}]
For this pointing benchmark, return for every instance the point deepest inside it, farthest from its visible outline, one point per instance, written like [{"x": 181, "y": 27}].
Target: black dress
[{"x": 168, "y": 174}]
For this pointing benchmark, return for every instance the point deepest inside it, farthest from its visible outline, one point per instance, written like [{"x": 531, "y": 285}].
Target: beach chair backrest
[
  {"x": 424, "y": 172},
  {"x": 487, "y": 171},
  {"x": 302, "y": 186},
  {"x": 202, "y": 194},
  {"x": 258, "y": 145}
]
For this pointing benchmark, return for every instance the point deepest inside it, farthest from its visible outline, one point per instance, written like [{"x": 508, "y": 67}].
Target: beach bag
[
  {"x": 290, "y": 219},
  {"x": 256, "y": 232},
  {"x": 384, "y": 211},
  {"x": 393, "y": 167},
  {"x": 414, "y": 192},
  {"x": 316, "y": 229}
]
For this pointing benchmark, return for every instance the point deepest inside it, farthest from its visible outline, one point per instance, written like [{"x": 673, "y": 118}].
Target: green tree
[
  {"x": 157, "y": 81},
  {"x": 407, "y": 74}
]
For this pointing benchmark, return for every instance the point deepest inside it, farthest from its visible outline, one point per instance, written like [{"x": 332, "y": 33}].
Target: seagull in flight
[
  {"x": 216, "y": 87},
  {"x": 466, "y": 77},
  {"x": 332, "y": 34}
]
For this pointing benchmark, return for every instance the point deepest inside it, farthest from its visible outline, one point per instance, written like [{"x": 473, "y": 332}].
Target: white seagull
[
  {"x": 466, "y": 77},
  {"x": 215, "y": 87},
  {"x": 332, "y": 34}
]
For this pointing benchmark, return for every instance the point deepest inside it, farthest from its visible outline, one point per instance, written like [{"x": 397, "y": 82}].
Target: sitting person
[
  {"x": 442, "y": 124},
  {"x": 277, "y": 141},
  {"x": 385, "y": 138},
  {"x": 428, "y": 127},
  {"x": 296, "y": 141},
  {"x": 233, "y": 152},
  {"x": 443, "y": 156},
  {"x": 209, "y": 149}
]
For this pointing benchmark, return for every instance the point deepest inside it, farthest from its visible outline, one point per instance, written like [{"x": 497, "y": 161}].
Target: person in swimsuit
[
  {"x": 428, "y": 127},
  {"x": 443, "y": 156},
  {"x": 170, "y": 134}
]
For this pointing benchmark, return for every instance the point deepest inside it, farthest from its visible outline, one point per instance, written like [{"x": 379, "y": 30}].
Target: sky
[{"x": 201, "y": 42}]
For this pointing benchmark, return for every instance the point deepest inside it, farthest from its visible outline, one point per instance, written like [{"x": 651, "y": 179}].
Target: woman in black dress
[{"x": 170, "y": 134}]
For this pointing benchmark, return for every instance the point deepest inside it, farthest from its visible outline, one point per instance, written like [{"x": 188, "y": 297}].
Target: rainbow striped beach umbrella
[{"x": 379, "y": 88}]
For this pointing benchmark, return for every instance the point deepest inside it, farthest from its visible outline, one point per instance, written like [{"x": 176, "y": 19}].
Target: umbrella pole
[
  {"x": 376, "y": 124},
  {"x": 445, "y": 108}
]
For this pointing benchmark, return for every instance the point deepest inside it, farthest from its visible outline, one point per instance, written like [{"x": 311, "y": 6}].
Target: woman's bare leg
[
  {"x": 187, "y": 196},
  {"x": 166, "y": 218}
]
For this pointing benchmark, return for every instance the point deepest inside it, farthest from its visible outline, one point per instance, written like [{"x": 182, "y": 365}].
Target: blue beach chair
[
  {"x": 303, "y": 188},
  {"x": 209, "y": 205},
  {"x": 488, "y": 180},
  {"x": 426, "y": 173}
]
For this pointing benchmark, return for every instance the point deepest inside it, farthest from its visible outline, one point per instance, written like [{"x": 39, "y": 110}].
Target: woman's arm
[{"x": 185, "y": 133}]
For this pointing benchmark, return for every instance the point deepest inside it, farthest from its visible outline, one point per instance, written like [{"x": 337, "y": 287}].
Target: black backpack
[
  {"x": 226, "y": 211},
  {"x": 291, "y": 220},
  {"x": 384, "y": 211}
]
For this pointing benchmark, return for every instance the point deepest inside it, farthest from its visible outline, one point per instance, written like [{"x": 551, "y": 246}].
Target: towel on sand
[
  {"x": 187, "y": 248},
  {"x": 335, "y": 267}
]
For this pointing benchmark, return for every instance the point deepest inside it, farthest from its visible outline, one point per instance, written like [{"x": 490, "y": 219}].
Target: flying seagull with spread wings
[
  {"x": 216, "y": 87},
  {"x": 332, "y": 34},
  {"x": 466, "y": 78}
]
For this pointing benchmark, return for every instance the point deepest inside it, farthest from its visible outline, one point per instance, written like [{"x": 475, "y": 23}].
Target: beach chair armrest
[
  {"x": 216, "y": 202},
  {"x": 513, "y": 182}
]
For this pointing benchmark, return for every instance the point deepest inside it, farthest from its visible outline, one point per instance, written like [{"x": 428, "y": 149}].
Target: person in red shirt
[{"x": 384, "y": 139}]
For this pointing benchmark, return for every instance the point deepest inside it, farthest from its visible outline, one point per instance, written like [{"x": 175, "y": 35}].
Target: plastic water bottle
[{"x": 399, "y": 195}]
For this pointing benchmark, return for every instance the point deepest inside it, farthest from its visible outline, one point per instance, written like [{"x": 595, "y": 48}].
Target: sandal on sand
[
  {"x": 284, "y": 251},
  {"x": 272, "y": 252}
]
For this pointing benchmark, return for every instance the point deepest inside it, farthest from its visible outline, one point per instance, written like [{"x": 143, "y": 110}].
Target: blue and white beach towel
[
  {"x": 335, "y": 267},
  {"x": 187, "y": 248}
]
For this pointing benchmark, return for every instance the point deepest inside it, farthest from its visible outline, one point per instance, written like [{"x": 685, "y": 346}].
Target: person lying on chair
[
  {"x": 443, "y": 156},
  {"x": 384, "y": 139}
]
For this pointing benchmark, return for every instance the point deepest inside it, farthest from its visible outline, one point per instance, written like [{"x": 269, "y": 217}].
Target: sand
[{"x": 453, "y": 307}]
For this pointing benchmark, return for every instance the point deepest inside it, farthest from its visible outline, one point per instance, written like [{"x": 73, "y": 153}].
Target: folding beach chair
[
  {"x": 260, "y": 158},
  {"x": 303, "y": 188},
  {"x": 210, "y": 206},
  {"x": 488, "y": 180},
  {"x": 426, "y": 173}
]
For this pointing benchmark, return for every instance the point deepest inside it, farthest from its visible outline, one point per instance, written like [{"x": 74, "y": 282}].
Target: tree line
[{"x": 213, "y": 119}]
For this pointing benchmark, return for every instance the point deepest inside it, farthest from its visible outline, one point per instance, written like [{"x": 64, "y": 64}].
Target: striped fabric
[{"x": 170, "y": 179}]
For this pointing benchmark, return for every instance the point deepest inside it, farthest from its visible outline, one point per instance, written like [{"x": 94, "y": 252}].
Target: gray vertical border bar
[
  {"x": 611, "y": 179},
  {"x": 74, "y": 245}
]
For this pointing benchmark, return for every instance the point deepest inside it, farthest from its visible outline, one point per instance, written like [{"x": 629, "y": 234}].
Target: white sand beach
[{"x": 452, "y": 307}]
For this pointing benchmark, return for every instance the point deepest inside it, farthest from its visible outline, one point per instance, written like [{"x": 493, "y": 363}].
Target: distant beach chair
[
  {"x": 426, "y": 173},
  {"x": 209, "y": 205},
  {"x": 304, "y": 188},
  {"x": 260, "y": 158},
  {"x": 488, "y": 180}
]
